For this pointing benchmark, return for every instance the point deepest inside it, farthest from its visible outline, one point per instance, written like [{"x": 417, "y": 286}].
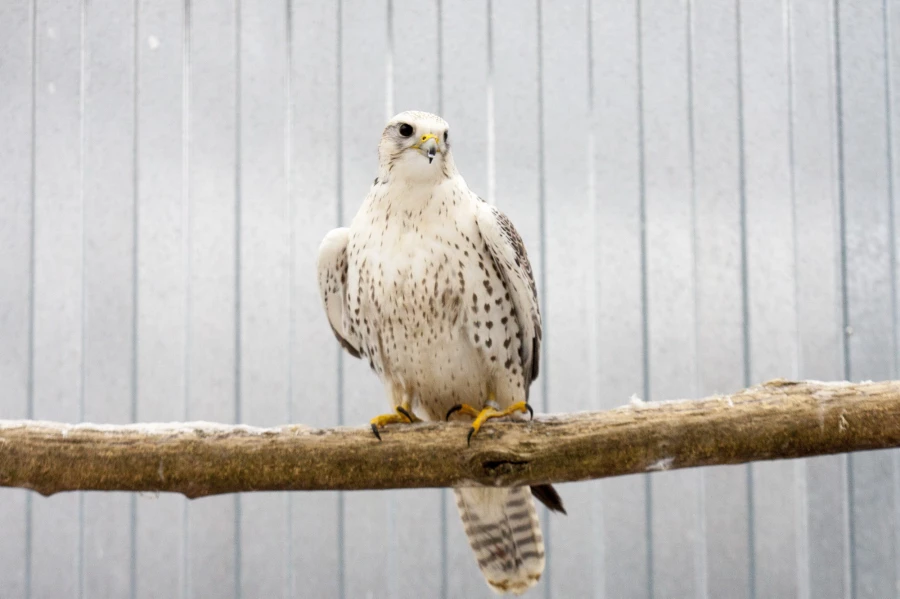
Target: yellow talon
[
  {"x": 489, "y": 411},
  {"x": 402, "y": 415}
]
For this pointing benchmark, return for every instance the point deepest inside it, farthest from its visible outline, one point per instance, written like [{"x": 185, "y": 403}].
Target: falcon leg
[
  {"x": 402, "y": 415},
  {"x": 490, "y": 411}
]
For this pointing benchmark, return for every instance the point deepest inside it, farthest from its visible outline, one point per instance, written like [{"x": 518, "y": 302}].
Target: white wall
[{"x": 705, "y": 188}]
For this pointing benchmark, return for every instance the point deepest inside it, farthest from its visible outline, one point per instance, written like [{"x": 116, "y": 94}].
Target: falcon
[{"x": 433, "y": 287}]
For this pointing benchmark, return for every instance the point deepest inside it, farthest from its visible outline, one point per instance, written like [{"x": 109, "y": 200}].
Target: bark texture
[{"x": 776, "y": 420}]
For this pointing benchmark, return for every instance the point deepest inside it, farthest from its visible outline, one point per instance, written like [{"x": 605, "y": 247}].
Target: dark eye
[
  {"x": 405, "y": 129},
  {"x": 446, "y": 134}
]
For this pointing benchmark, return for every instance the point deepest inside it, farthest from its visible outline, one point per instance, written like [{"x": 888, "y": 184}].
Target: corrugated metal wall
[{"x": 705, "y": 188}]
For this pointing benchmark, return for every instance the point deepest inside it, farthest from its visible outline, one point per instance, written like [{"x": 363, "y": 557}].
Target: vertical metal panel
[
  {"x": 825, "y": 573},
  {"x": 569, "y": 335},
  {"x": 517, "y": 89},
  {"x": 892, "y": 52},
  {"x": 415, "y": 50},
  {"x": 214, "y": 566},
  {"x": 416, "y": 68},
  {"x": 162, "y": 280},
  {"x": 16, "y": 102},
  {"x": 58, "y": 284},
  {"x": 518, "y": 181},
  {"x": 771, "y": 302},
  {"x": 264, "y": 262},
  {"x": 675, "y": 499},
  {"x": 370, "y": 548},
  {"x": 466, "y": 103},
  {"x": 314, "y": 161},
  {"x": 466, "y": 100},
  {"x": 622, "y": 513},
  {"x": 109, "y": 244},
  {"x": 870, "y": 290},
  {"x": 717, "y": 229}
]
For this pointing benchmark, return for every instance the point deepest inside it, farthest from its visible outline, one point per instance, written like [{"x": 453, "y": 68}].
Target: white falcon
[{"x": 433, "y": 286}]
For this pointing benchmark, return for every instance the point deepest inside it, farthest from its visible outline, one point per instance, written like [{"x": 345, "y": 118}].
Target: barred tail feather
[{"x": 504, "y": 532}]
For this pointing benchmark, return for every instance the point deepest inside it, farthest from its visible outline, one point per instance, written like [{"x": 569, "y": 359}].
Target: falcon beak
[{"x": 428, "y": 143}]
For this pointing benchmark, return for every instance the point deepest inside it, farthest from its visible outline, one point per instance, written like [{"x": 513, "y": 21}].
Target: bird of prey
[{"x": 433, "y": 287}]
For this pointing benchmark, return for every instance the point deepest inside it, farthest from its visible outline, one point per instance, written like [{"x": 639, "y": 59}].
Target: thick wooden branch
[{"x": 776, "y": 420}]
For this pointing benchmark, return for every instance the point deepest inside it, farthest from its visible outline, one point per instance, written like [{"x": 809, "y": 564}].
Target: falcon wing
[
  {"x": 508, "y": 252},
  {"x": 332, "y": 269}
]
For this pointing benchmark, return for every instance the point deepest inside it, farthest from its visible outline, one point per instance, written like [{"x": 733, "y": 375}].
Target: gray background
[{"x": 705, "y": 189}]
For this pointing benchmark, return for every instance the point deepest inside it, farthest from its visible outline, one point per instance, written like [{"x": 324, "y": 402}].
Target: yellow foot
[
  {"x": 490, "y": 411},
  {"x": 402, "y": 415}
]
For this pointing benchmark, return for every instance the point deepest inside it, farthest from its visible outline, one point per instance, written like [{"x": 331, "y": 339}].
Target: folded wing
[
  {"x": 508, "y": 252},
  {"x": 332, "y": 274}
]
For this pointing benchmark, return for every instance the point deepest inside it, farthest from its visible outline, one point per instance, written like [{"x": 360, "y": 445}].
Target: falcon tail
[{"x": 504, "y": 532}]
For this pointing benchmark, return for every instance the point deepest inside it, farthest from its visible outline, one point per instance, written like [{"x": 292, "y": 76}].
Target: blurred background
[{"x": 706, "y": 190}]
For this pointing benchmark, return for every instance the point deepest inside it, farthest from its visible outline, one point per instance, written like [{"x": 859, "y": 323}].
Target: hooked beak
[{"x": 428, "y": 144}]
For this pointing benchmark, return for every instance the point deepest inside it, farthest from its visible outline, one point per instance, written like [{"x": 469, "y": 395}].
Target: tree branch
[{"x": 776, "y": 420}]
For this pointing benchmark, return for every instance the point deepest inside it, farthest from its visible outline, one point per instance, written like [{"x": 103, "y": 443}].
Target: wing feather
[
  {"x": 509, "y": 255},
  {"x": 332, "y": 273}
]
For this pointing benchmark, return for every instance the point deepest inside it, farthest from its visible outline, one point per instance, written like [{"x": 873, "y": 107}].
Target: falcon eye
[
  {"x": 446, "y": 134},
  {"x": 405, "y": 129}
]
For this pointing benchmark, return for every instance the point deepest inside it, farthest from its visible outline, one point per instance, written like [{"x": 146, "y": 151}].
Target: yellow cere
[{"x": 426, "y": 138}]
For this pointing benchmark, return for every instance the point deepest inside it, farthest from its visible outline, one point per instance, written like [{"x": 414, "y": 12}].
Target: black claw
[
  {"x": 403, "y": 411},
  {"x": 455, "y": 408},
  {"x": 375, "y": 430},
  {"x": 469, "y": 438},
  {"x": 530, "y": 410}
]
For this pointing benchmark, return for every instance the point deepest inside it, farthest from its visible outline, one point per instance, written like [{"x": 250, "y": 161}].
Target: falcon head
[{"x": 415, "y": 145}]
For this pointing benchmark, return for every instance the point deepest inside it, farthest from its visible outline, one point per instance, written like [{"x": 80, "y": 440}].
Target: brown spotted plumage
[{"x": 432, "y": 286}]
